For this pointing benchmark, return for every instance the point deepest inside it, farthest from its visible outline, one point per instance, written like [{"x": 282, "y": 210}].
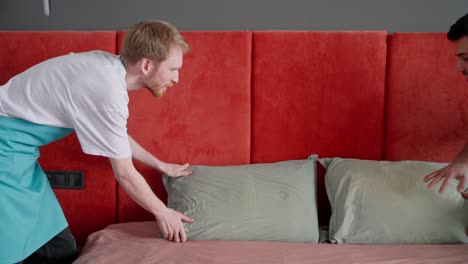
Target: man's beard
[{"x": 160, "y": 92}]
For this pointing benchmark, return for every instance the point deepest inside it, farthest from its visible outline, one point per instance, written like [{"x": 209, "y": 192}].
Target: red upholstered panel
[
  {"x": 426, "y": 109},
  {"x": 203, "y": 120},
  {"x": 94, "y": 207},
  {"x": 318, "y": 93}
]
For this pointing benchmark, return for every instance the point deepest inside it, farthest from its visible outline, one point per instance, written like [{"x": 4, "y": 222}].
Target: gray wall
[{"x": 390, "y": 15}]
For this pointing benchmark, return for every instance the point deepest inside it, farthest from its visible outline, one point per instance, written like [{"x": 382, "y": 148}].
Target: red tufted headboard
[{"x": 264, "y": 96}]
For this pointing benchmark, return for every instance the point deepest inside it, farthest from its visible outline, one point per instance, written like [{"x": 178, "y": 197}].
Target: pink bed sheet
[{"x": 138, "y": 243}]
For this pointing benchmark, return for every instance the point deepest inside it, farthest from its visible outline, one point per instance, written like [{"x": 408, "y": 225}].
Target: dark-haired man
[{"x": 458, "y": 169}]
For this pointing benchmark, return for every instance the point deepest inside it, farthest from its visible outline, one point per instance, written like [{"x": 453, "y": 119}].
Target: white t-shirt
[{"x": 84, "y": 91}]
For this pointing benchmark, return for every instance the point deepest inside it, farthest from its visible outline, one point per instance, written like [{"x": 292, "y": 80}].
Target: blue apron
[{"x": 30, "y": 214}]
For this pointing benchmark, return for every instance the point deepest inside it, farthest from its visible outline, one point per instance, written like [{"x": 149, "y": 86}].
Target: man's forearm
[
  {"x": 142, "y": 155},
  {"x": 136, "y": 187}
]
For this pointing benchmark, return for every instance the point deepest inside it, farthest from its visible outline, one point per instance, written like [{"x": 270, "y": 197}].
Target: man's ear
[{"x": 146, "y": 65}]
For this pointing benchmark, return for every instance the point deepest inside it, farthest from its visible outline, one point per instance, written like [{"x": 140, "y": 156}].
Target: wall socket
[{"x": 65, "y": 179}]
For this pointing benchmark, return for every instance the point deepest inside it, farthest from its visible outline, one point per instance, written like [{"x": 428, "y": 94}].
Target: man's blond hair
[{"x": 151, "y": 39}]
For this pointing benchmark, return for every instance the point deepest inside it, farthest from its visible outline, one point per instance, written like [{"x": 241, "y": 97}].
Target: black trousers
[{"x": 59, "y": 250}]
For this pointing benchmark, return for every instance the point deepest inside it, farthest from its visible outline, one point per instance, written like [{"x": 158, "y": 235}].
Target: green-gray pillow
[
  {"x": 383, "y": 202},
  {"x": 261, "y": 202}
]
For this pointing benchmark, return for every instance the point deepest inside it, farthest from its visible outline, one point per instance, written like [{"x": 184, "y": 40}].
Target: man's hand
[
  {"x": 456, "y": 170},
  {"x": 175, "y": 170},
  {"x": 142, "y": 155},
  {"x": 465, "y": 195},
  {"x": 170, "y": 225}
]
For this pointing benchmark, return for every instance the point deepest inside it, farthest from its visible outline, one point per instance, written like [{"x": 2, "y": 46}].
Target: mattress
[{"x": 138, "y": 242}]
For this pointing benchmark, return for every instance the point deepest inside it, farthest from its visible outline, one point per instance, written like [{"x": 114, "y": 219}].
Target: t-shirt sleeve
[{"x": 103, "y": 132}]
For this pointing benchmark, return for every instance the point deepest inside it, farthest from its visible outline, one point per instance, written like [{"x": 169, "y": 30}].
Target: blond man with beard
[{"x": 86, "y": 93}]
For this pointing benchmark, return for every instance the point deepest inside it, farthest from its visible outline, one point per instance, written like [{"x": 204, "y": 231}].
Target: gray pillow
[
  {"x": 383, "y": 202},
  {"x": 261, "y": 202}
]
